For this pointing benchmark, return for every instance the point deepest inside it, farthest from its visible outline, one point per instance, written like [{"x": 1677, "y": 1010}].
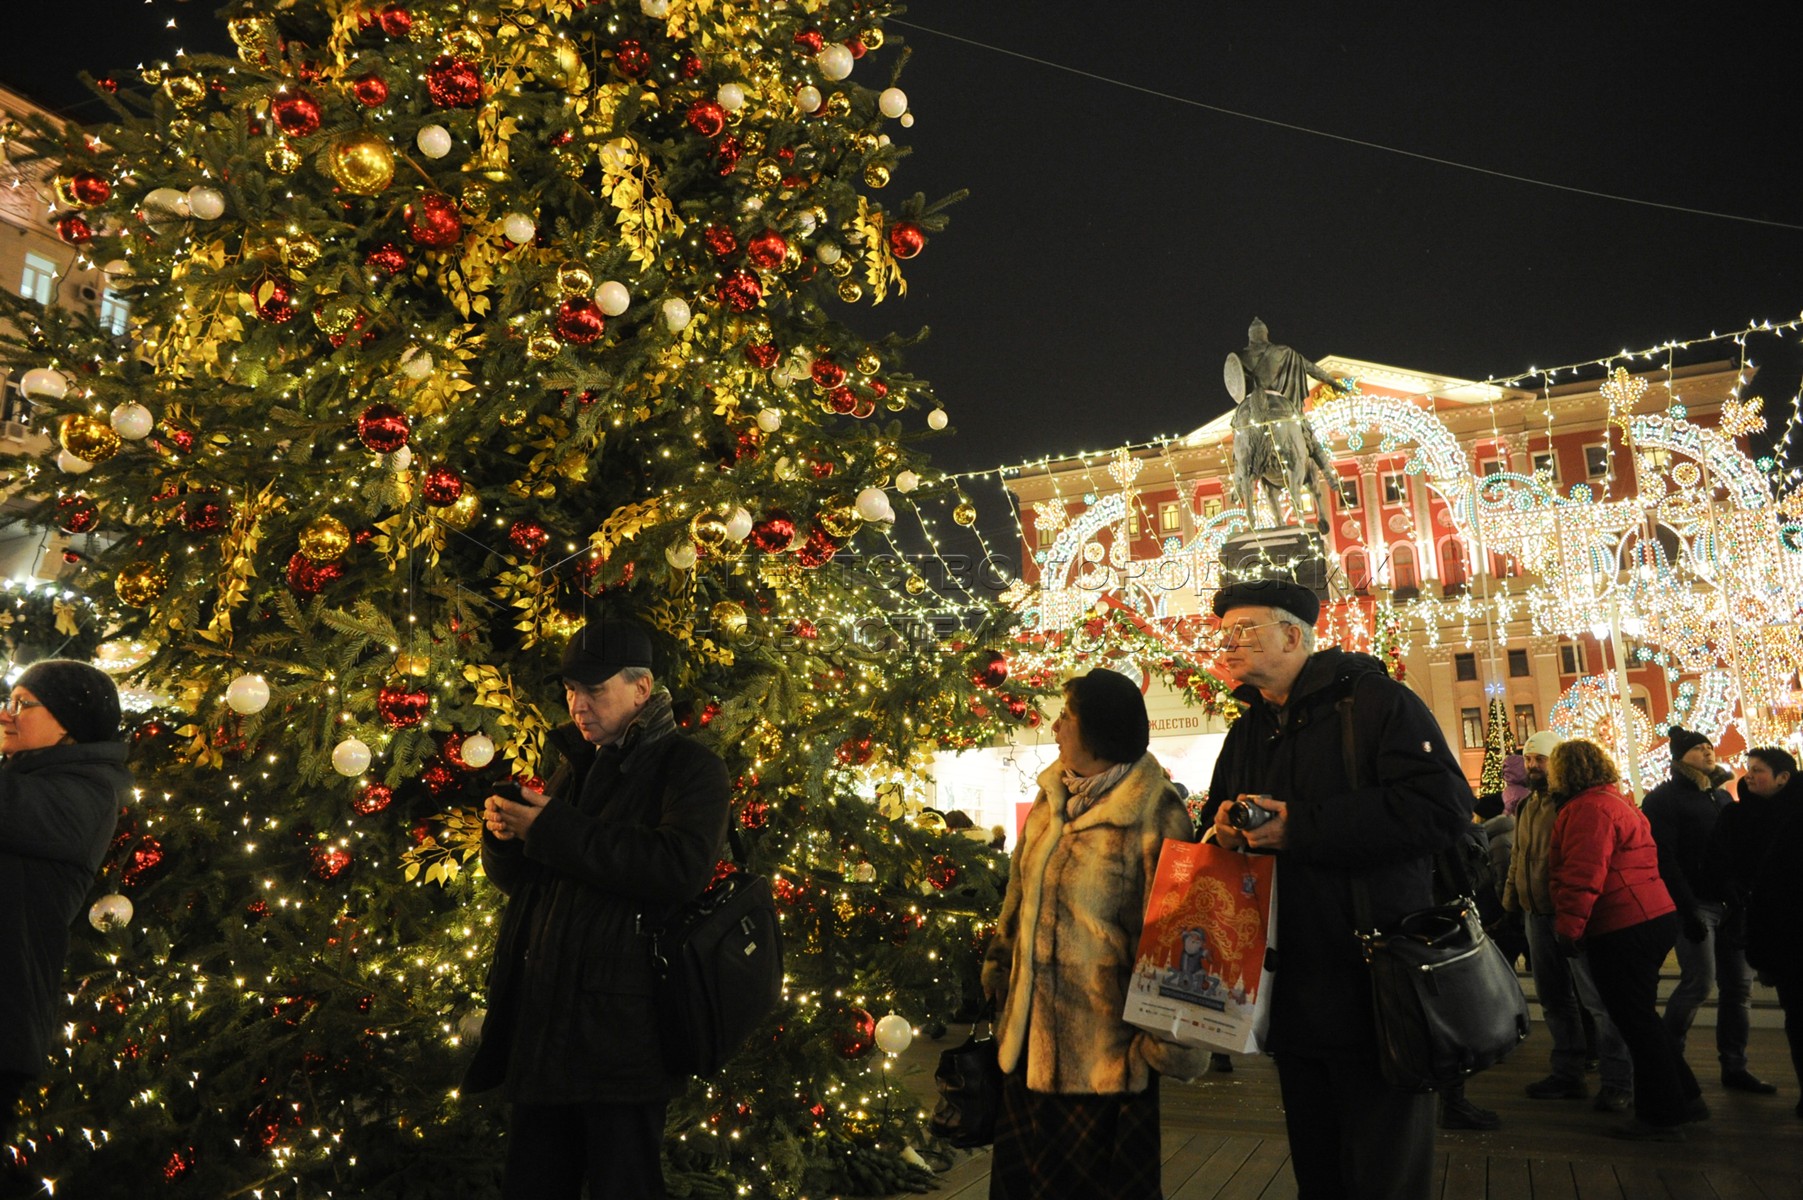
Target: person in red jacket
[{"x": 1608, "y": 900}]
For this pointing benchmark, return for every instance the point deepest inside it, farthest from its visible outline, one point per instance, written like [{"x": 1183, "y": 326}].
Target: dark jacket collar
[
  {"x": 47, "y": 757},
  {"x": 653, "y": 726},
  {"x": 1327, "y": 674}
]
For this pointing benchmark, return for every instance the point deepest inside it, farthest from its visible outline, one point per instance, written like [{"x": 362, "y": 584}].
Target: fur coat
[{"x": 1062, "y": 957}]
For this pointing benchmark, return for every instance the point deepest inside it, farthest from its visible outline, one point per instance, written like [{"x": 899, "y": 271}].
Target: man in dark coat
[
  {"x": 627, "y": 831},
  {"x": 61, "y": 788},
  {"x": 1683, "y": 812},
  {"x": 1351, "y": 1133}
]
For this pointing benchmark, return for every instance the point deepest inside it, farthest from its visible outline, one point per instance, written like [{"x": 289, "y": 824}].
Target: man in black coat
[
  {"x": 627, "y": 831},
  {"x": 1351, "y": 1134}
]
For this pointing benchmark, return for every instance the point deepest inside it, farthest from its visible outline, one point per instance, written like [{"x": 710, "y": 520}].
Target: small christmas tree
[{"x": 1499, "y": 743}]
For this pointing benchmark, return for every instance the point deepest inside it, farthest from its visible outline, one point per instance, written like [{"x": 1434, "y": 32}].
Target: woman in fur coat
[{"x": 1080, "y": 1099}]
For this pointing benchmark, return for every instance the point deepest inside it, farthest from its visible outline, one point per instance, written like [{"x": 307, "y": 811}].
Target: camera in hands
[{"x": 1245, "y": 812}]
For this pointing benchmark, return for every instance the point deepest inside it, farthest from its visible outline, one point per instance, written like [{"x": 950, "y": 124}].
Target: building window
[
  {"x": 1349, "y": 492},
  {"x": 1211, "y": 507},
  {"x": 1133, "y": 521},
  {"x": 1596, "y": 461},
  {"x": 38, "y": 280},
  {"x": 1357, "y": 566},
  {"x": 1518, "y": 664},
  {"x": 1396, "y": 488},
  {"x": 1525, "y": 725},
  {"x": 113, "y": 313},
  {"x": 1402, "y": 572},
  {"x": 1464, "y": 667},
  {"x": 1473, "y": 721},
  {"x": 1571, "y": 658},
  {"x": 1546, "y": 463},
  {"x": 1047, "y": 534},
  {"x": 1170, "y": 518},
  {"x": 1490, "y": 466}
]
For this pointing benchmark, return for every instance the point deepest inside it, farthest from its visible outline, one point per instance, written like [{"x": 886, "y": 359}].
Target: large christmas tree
[{"x": 451, "y": 323}]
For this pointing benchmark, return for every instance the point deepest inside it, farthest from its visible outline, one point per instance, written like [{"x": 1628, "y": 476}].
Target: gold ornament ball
[
  {"x": 895, "y": 401},
  {"x": 361, "y": 163},
  {"x": 475, "y": 196},
  {"x": 753, "y": 141},
  {"x": 870, "y": 362},
  {"x": 542, "y": 346},
  {"x": 325, "y": 539},
  {"x": 791, "y": 258},
  {"x": 886, "y": 456},
  {"x": 838, "y": 104},
  {"x": 843, "y": 265},
  {"x": 872, "y": 38},
  {"x": 151, "y": 75},
  {"x": 965, "y": 513},
  {"x": 140, "y": 583},
  {"x": 462, "y": 512},
  {"x": 708, "y": 531},
  {"x": 282, "y": 158},
  {"x": 865, "y": 143},
  {"x": 408, "y": 663},
  {"x": 464, "y": 42},
  {"x": 336, "y": 315},
  {"x": 730, "y": 619},
  {"x": 298, "y": 251},
  {"x": 839, "y": 517},
  {"x": 574, "y": 279},
  {"x": 88, "y": 438},
  {"x": 915, "y": 585},
  {"x": 876, "y": 175},
  {"x": 250, "y": 33},
  {"x": 850, "y": 291},
  {"x": 769, "y": 173},
  {"x": 558, "y": 65},
  {"x": 186, "y": 90}
]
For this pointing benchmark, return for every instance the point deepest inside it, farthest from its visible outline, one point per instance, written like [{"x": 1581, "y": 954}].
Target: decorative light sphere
[
  {"x": 681, "y": 555},
  {"x": 731, "y": 97},
  {"x": 434, "y": 141},
  {"x": 906, "y": 482},
  {"x": 770, "y": 419},
  {"x": 808, "y": 98},
  {"x": 70, "y": 465},
  {"x": 416, "y": 363},
  {"x": 937, "y": 419},
  {"x": 110, "y": 912},
  {"x": 613, "y": 297},
  {"x": 478, "y": 751},
  {"x": 873, "y": 505},
  {"x": 350, "y": 757},
  {"x": 834, "y": 61},
  {"x": 738, "y": 524},
  {"x": 519, "y": 228},
  {"x": 893, "y": 1034},
  {"x": 206, "y": 203},
  {"x": 676, "y": 314},
  {"x": 247, "y": 694},
  {"x": 44, "y": 382},
  {"x": 132, "y": 421},
  {"x": 892, "y": 103}
]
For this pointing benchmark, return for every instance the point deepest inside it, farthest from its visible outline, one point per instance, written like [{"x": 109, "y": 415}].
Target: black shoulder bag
[
  {"x": 969, "y": 1080},
  {"x": 1447, "y": 1003}
]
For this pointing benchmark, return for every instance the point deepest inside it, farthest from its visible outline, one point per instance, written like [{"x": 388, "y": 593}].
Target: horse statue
[{"x": 1274, "y": 447}]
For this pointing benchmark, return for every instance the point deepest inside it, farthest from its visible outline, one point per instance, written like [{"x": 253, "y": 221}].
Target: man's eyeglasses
[
  {"x": 14, "y": 705},
  {"x": 1233, "y": 635}
]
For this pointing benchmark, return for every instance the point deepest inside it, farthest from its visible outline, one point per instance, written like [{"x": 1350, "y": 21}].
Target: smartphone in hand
[{"x": 508, "y": 789}]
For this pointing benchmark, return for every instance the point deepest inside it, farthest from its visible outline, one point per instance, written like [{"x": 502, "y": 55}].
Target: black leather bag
[{"x": 969, "y": 1080}]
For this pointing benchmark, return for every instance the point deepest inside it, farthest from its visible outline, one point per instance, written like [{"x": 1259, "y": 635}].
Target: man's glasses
[
  {"x": 1234, "y": 635},
  {"x": 15, "y": 705}
]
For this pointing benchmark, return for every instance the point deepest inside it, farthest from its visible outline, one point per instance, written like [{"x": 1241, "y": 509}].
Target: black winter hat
[
  {"x": 1684, "y": 741},
  {"x": 83, "y": 698},
  {"x": 602, "y": 649},
  {"x": 1111, "y": 715},
  {"x": 1269, "y": 593}
]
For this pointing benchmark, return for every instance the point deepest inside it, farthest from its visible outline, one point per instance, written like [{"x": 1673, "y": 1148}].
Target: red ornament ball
[
  {"x": 178, "y": 1165},
  {"x": 707, "y": 118},
  {"x": 295, "y": 113},
  {"x": 77, "y": 514},
  {"x": 383, "y": 428},
  {"x": 146, "y": 856},
  {"x": 727, "y": 153},
  {"x": 842, "y": 401},
  {"x": 432, "y": 221},
  {"x": 858, "y": 1037},
  {"x": 329, "y": 862},
  {"x": 906, "y": 239},
  {"x": 395, "y": 21},
  {"x": 441, "y": 486},
  {"x": 773, "y": 534},
  {"x": 820, "y": 470},
  {"x": 740, "y": 291},
  {"x": 438, "y": 778},
  {"x": 308, "y": 578},
  {"x": 720, "y": 241},
  {"x": 453, "y": 82},
  {"x": 529, "y": 536},
  {"x": 372, "y": 799},
  {"x": 370, "y": 90},
  {"x": 767, "y": 250},
  {"x": 631, "y": 57},
  {"x": 763, "y": 355},
  {"x": 386, "y": 258},
  {"x": 810, "y": 40},
  {"x": 579, "y": 321},
  {"x": 690, "y": 65},
  {"x": 401, "y": 708},
  {"x": 273, "y": 299},
  {"x": 74, "y": 229},
  {"x": 827, "y": 373},
  {"x": 990, "y": 670},
  {"x": 203, "y": 514},
  {"x": 818, "y": 550},
  {"x": 85, "y": 187}
]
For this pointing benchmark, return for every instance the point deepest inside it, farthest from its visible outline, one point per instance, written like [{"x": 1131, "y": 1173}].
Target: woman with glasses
[
  {"x": 1080, "y": 1093},
  {"x": 62, "y": 781}
]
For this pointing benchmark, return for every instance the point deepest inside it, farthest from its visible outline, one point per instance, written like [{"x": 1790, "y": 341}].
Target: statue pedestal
[{"x": 1287, "y": 552}]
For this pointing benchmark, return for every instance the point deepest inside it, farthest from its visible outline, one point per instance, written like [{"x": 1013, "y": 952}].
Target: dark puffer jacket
[
  {"x": 1683, "y": 811},
  {"x": 1410, "y": 802},
  {"x": 58, "y": 806},
  {"x": 570, "y": 1017}
]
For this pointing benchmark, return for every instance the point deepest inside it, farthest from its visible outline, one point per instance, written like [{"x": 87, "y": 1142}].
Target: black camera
[
  {"x": 507, "y": 790},
  {"x": 1245, "y": 813}
]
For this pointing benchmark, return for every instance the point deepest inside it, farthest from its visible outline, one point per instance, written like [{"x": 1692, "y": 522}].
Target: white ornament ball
[
  {"x": 805, "y": 224},
  {"x": 247, "y": 694},
  {"x": 206, "y": 203},
  {"x": 478, "y": 751},
  {"x": 834, "y": 61},
  {"x": 655, "y": 9},
  {"x": 828, "y": 253},
  {"x": 906, "y": 482},
  {"x": 681, "y": 555},
  {"x": 519, "y": 228},
  {"x": 401, "y": 459},
  {"x": 44, "y": 382},
  {"x": 70, "y": 465},
  {"x": 893, "y": 1034},
  {"x": 613, "y": 298},
  {"x": 132, "y": 421},
  {"x": 738, "y": 525},
  {"x": 434, "y": 141},
  {"x": 873, "y": 505},
  {"x": 808, "y": 99},
  {"x": 416, "y": 362},
  {"x": 110, "y": 912},
  {"x": 350, "y": 757},
  {"x": 731, "y": 97},
  {"x": 770, "y": 419},
  {"x": 937, "y": 419},
  {"x": 469, "y": 1025},
  {"x": 676, "y": 314},
  {"x": 892, "y": 103},
  {"x": 166, "y": 202},
  {"x": 907, "y": 120},
  {"x": 117, "y": 271}
]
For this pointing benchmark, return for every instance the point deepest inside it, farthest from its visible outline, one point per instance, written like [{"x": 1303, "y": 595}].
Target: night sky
[{"x": 1117, "y": 242}]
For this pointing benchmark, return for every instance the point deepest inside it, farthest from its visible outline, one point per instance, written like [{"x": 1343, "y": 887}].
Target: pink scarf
[{"x": 1085, "y": 790}]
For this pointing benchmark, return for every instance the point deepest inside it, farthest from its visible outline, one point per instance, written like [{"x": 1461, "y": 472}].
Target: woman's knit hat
[
  {"x": 83, "y": 698},
  {"x": 1111, "y": 715}
]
